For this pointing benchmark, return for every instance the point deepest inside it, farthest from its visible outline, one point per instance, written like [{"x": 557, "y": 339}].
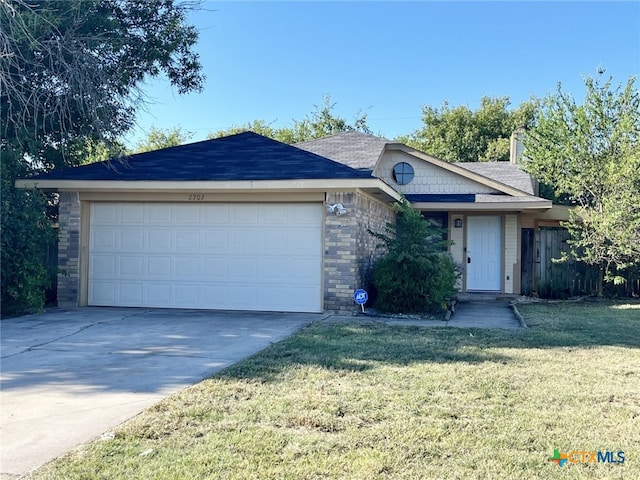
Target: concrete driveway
[{"x": 68, "y": 376}]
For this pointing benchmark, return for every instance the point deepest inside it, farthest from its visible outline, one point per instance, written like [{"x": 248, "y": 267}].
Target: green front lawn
[{"x": 370, "y": 401}]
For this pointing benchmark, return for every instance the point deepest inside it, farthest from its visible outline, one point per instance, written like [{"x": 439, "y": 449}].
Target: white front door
[{"x": 484, "y": 253}]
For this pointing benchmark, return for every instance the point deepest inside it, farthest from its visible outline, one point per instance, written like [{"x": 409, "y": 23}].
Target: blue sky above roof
[{"x": 276, "y": 60}]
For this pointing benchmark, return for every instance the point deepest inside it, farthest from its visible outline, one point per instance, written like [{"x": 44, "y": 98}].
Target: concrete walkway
[
  {"x": 68, "y": 376},
  {"x": 468, "y": 314},
  {"x": 484, "y": 314}
]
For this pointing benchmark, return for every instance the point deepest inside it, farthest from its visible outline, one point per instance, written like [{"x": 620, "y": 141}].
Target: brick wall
[
  {"x": 349, "y": 255},
  {"x": 69, "y": 250},
  {"x": 350, "y": 250}
]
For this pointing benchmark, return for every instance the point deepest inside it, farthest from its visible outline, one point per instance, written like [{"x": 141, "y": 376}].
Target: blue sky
[{"x": 276, "y": 60}]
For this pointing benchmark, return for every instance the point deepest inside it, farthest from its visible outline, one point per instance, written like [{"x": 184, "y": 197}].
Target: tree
[
  {"x": 462, "y": 135},
  {"x": 320, "y": 123},
  {"x": 70, "y": 80},
  {"x": 415, "y": 275},
  {"x": 590, "y": 155},
  {"x": 162, "y": 138}
]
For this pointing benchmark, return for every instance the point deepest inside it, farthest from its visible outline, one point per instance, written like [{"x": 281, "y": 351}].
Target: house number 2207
[{"x": 196, "y": 196}]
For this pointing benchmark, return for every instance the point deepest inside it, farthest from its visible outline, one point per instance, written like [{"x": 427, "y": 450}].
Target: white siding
[
  {"x": 428, "y": 179},
  {"x": 457, "y": 249},
  {"x": 510, "y": 250}
]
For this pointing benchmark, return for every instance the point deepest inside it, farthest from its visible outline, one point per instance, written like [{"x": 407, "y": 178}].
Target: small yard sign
[{"x": 360, "y": 296}]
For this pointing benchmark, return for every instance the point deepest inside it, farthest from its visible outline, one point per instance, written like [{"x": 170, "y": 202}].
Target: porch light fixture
[
  {"x": 457, "y": 223},
  {"x": 336, "y": 209}
]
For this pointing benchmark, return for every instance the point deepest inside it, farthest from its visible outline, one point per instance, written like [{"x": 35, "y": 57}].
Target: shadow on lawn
[{"x": 363, "y": 346}]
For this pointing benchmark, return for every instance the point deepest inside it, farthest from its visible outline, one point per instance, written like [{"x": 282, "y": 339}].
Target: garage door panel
[
  {"x": 244, "y": 214},
  {"x": 243, "y": 240},
  {"x": 242, "y": 270},
  {"x": 290, "y": 300},
  {"x": 103, "y": 239},
  {"x": 104, "y": 214},
  {"x": 242, "y": 296},
  {"x": 131, "y": 239},
  {"x": 187, "y": 267},
  {"x": 303, "y": 242},
  {"x": 187, "y": 294},
  {"x": 103, "y": 265},
  {"x": 272, "y": 269},
  {"x": 302, "y": 215},
  {"x": 131, "y": 265},
  {"x": 157, "y": 294},
  {"x": 299, "y": 270},
  {"x": 276, "y": 242},
  {"x": 132, "y": 214},
  {"x": 215, "y": 268},
  {"x": 216, "y": 239},
  {"x": 187, "y": 214},
  {"x": 102, "y": 293},
  {"x": 159, "y": 239},
  {"x": 131, "y": 293},
  {"x": 216, "y": 214},
  {"x": 188, "y": 241},
  {"x": 224, "y": 256},
  {"x": 215, "y": 296},
  {"x": 158, "y": 213},
  {"x": 159, "y": 266},
  {"x": 275, "y": 216}
]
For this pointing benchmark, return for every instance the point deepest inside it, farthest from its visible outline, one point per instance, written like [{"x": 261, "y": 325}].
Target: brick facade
[
  {"x": 349, "y": 249},
  {"x": 69, "y": 250}
]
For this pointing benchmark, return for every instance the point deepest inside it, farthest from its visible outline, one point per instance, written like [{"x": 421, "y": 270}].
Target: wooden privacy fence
[{"x": 549, "y": 279}]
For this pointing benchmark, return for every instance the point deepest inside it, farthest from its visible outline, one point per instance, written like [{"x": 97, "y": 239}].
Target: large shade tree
[
  {"x": 158, "y": 138},
  {"x": 460, "y": 134},
  {"x": 70, "y": 75},
  {"x": 320, "y": 123},
  {"x": 589, "y": 155}
]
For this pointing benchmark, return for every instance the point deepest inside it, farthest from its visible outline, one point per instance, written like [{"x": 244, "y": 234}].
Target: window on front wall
[
  {"x": 402, "y": 173},
  {"x": 440, "y": 223}
]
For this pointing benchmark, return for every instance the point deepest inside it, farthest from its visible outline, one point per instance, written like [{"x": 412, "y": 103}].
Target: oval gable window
[{"x": 402, "y": 173}]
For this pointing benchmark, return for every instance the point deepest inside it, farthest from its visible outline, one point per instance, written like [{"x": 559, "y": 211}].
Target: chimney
[{"x": 516, "y": 146}]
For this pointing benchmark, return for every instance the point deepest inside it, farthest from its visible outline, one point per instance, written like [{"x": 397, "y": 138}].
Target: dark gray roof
[
  {"x": 245, "y": 156},
  {"x": 362, "y": 151},
  {"x": 503, "y": 172},
  {"x": 356, "y": 149}
]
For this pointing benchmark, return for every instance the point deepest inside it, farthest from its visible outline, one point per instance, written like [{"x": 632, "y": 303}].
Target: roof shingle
[
  {"x": 355, "y": 149},
  {"x": 503, "y": 172},
  {"x": 245, "y": 156}
]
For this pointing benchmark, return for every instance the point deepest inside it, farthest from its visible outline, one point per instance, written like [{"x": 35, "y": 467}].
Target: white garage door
[{"x": 219, "y": 256}]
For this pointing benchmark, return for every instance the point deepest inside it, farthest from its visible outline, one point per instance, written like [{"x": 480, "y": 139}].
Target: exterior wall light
[
  {"x": 457, "y": 223},
  {"x": 336, "y": 209}
]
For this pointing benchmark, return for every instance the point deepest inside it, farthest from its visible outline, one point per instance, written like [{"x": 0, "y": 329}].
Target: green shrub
[
  {"x": 26, "y": 234},
  {"x": 416, "y": 275},
  {"x": 414, "y": 284}
]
